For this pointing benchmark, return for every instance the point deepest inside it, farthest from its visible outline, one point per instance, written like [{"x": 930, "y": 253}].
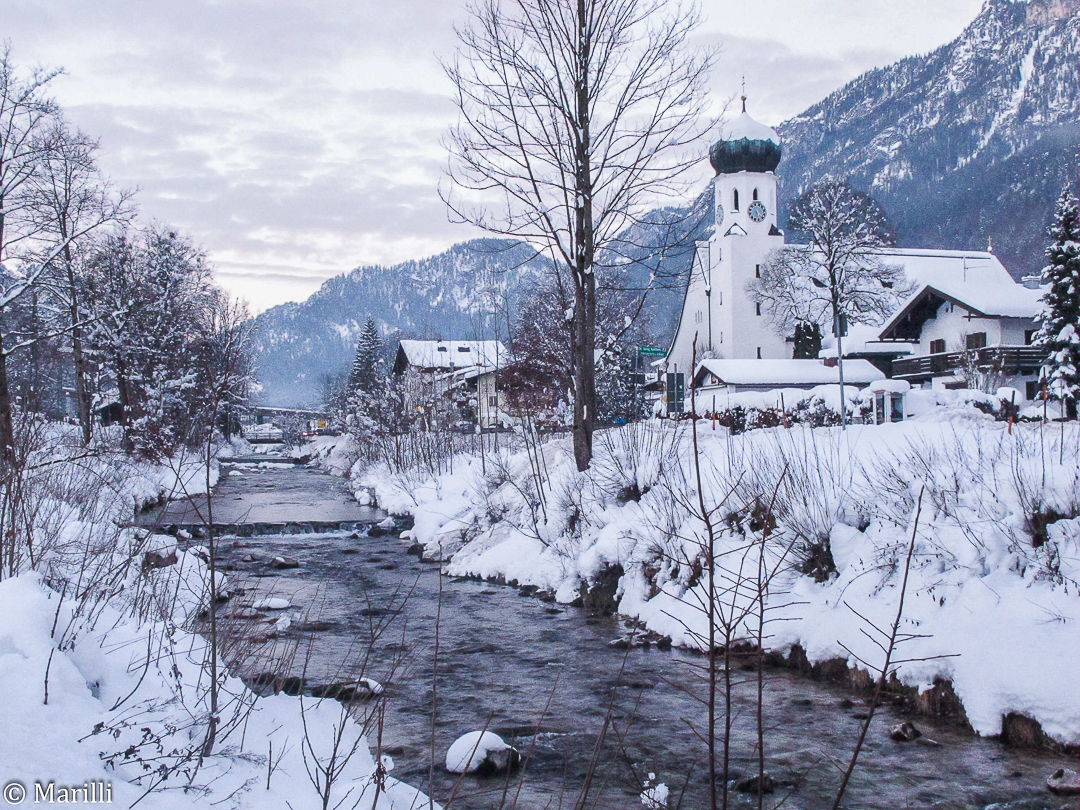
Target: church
[{"x": 720, "y": 322}]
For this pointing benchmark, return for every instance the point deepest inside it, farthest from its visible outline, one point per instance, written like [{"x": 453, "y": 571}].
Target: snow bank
[
  {"x": 103, "y": 681},
  {"x": 991, "y": 603}
]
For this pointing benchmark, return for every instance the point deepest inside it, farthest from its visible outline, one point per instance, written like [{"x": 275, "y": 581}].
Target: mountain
[
  {"x": 971, "y": 142},
  {"x": 439, "y": 297}
]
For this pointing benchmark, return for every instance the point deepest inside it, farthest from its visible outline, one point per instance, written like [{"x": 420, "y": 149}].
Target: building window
[
  {"x": 463, "y": 348},
  {"x": 721, "y": 337},
  {"x": 442, "y": 348},
  {"x": 757, "y": 271},
  {"x": 755, "y": 194},
  {"x": 1029, "y": 338},
  {"x": 976, "y": 340},
  {"x": 758, "y": 352},
  {"x": 937, "y": 346},
  {"x": 735, "y": 200},
  {"x": 1032, "y": 390},
  {"x": 493, "y": 401},
  {"x": 757, "y": 308}
]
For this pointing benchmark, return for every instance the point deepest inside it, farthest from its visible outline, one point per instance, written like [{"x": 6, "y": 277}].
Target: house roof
[
  {"x": 782, "y": 373},
  {"x": 1008, "y": 300},
  {"x": 862, "y": 339},
  {"x": 456, "y": 354},
  {"x": 949, "y": 266}
]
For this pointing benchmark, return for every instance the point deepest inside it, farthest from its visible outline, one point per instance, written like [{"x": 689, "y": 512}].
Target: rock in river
[
  {"x": 273, "y": 603},
  {"x": 1064, "y": 783},
  {"x": 480, "y": 752},
  {"x": 284, "y": 562}
]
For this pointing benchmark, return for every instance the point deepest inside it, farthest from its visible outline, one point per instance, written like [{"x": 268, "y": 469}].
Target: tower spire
[{"x": 744, "y": 93}]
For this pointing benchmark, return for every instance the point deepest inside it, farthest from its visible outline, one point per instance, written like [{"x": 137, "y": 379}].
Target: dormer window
[{"x": 735, "y": 200}]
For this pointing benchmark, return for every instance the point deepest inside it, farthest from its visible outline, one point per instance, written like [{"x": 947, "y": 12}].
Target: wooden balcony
[{"x": 1012, "y": 360}]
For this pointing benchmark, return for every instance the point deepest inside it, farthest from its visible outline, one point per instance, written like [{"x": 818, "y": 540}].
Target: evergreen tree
[
  {"x": 807, "y": 341},
  {"x": 366, "y": 375},
  {"x": 1060, "y": 332}
]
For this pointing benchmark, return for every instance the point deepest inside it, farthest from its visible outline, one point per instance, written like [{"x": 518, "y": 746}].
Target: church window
[
  {"x": 755, "y": 194},
  {"x": 757, "y": 307},
  {"x": 735, "y": 200},
  {"x": 757, "y": 271},
  {"x": 758, "y": 352}
]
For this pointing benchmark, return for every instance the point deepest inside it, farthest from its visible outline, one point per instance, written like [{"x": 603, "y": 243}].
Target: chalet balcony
[{"x": 1012, "y": 360}]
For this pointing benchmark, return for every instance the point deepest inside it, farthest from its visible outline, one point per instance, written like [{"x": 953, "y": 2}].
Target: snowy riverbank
[
  {"x": 992, "y": 600},
  {"x": 106, "y": 688}
]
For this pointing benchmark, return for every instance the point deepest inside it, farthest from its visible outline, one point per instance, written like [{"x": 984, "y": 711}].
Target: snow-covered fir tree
[
  {"x": 1060, "y": 331},
  {"x": 366, "y": 372}
]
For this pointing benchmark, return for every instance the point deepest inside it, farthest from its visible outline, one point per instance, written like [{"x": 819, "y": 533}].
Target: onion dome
[{"x": 748, "y": 147}]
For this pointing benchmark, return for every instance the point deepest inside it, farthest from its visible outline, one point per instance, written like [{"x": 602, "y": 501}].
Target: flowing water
[{"x": 543, "y": 677}]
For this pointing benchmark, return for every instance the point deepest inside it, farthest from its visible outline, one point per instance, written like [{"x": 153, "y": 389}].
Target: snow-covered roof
[
  {"x": 949, "y": 266},
  {"x": 779, "y": 373},
  {"x": 995, "y": 300},
  {"x": 862, "y": 338},
  {"x": 444, "y": 354},
  {"x": 746, "y": 127}
]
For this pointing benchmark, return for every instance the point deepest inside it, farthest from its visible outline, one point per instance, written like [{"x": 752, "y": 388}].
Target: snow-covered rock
[
  {"x": 272, "y": 603},
  {"x": 480, "y": 752}
]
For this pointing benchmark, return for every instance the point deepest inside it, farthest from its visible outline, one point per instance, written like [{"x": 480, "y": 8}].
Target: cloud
[{"x": 298, "y": 140}]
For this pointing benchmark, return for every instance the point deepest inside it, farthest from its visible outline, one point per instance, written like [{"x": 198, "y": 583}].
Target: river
[{"x": 544, "y": 677}]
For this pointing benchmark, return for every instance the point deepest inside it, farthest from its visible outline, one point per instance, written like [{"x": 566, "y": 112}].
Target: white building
[
  {"x": 720, "y": 320},
  {"x": 452, "y": 382},
  {"x": 716, "y": 379},
  {"x": 969, "y": 335}
]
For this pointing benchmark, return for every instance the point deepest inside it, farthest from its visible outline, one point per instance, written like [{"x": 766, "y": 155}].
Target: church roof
[
  {"x": 746, "y": 127},
  {"x": 747, "y": 146}
]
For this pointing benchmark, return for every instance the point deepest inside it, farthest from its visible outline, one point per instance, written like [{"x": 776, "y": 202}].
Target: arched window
[
  {"x": 735, "y": 200},
  {"x": 755, "y": 193}
]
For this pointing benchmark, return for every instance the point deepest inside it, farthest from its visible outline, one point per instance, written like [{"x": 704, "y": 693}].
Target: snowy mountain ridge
[{"x": 969, "y": 143}]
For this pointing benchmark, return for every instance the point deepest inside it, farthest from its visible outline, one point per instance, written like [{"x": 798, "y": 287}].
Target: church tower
[{"x": 717, "y": 309}]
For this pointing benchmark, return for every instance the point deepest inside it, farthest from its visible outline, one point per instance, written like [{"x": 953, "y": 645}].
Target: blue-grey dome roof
[{"x": 747, "y": 147}]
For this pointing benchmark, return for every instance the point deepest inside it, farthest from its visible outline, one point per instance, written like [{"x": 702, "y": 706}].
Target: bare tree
[
  {"x": 837, "y": 276},
  {"x": 574, "y": 115},
  {"x": 70, "y": 199},
  {"x": 25, "y": 112}
]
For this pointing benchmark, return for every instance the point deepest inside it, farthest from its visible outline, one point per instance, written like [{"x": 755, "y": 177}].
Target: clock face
[
  {"x": 756, "y": 211},
  {"x": 719, "y": 213}
]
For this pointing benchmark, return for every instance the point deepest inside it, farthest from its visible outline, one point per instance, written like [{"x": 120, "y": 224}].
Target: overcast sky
[{"x": 297, "y": 140}]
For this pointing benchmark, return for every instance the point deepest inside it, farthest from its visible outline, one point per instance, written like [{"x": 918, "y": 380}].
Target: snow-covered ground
[
  {"x": 104, "y": 687},
  {"x": 992, "y": 601}
]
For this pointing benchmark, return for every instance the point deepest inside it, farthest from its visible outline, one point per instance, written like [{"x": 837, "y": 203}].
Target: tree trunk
[
  {"x": 82, "y": 395},
  {"x": 7, "y": 421},
  {"x": 583, "y": 343}
]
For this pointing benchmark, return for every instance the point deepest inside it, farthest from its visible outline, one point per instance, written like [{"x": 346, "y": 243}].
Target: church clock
[{"x": 756, "y": 211}]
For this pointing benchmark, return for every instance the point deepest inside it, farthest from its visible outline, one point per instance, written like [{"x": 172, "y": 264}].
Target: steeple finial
[{"x": 744, "y": 93}]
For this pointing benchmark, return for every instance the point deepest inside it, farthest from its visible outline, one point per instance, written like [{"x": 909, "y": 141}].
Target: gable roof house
[
  {"x": 969, "y": 335},
  {"x": 451, "y": 383}
]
